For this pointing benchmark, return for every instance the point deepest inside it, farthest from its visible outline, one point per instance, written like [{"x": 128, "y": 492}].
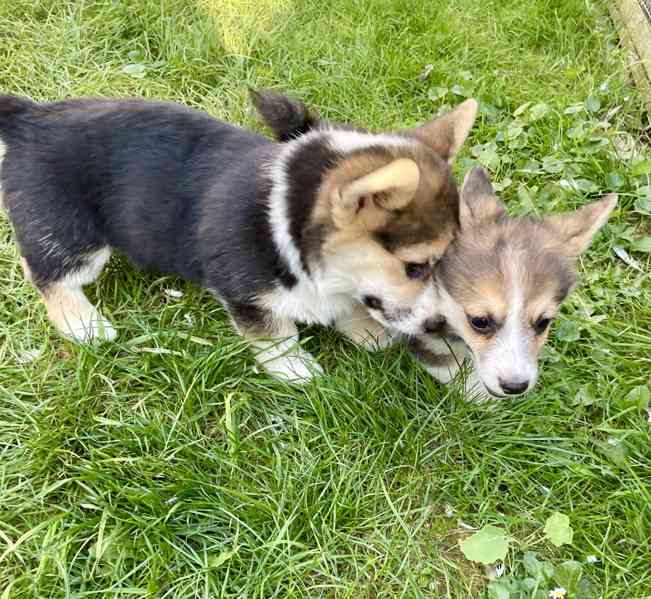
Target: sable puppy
[
  {"x": 497, "y": 288},
  {"x": 335, "y": 226}
]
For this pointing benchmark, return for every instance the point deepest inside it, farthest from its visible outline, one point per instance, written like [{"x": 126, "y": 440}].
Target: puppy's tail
[{"x": 286, "y": 117}]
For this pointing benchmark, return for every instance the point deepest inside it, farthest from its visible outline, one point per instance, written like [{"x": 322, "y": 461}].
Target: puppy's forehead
[
  {"x": 487, "y": 297},
  {"x": 544, "y": 272},
  {"x": 486, "y": 266},
  {"x": 471, "y": 270}
]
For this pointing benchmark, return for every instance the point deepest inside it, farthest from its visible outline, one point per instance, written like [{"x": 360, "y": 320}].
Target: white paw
[
  {"x": 287, "y": 361},
  {"x": 296, "y": 367},
  {"x": 93, "y": 328}
]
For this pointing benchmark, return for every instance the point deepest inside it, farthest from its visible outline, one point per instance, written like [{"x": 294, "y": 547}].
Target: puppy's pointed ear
[
  {"x": 367, "y": 201},
  {"x": 478, "y": 202},
  {"x": 446, "y": 134},
  {"x": 286, "y": 117},
  {"x": 573, "y": 232}
]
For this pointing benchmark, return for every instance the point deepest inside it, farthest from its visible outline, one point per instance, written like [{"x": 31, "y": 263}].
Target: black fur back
[{"x": 175, "y": 190}]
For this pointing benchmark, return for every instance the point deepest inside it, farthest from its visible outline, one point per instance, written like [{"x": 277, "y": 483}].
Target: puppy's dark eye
[
  {"x": 482, "y": 324},
  {"x": 540, "y": 326},
  {"x": 417, "y": 270},
  {"x": 372, "y": 302}
]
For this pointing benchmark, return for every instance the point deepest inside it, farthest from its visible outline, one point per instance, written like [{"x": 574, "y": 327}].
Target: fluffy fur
[{"x": 509, "y": 274}]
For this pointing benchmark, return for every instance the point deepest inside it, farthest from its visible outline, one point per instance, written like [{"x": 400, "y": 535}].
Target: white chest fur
[{"x": 310, "y": 301}]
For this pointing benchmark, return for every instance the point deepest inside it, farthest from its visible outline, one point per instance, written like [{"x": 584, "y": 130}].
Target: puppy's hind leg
[
  {"x": 67, "y": 306},
  {"x": 275, "y": 344}
]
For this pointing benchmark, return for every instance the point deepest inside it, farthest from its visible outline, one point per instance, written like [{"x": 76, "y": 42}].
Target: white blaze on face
[{"x": 511, "y": 360}]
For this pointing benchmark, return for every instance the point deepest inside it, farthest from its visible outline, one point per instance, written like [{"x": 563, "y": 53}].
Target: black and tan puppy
[{"x": 315, "y": 229}]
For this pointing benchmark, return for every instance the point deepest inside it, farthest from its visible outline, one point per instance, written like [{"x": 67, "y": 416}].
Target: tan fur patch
[
  {"x": 352, "y": 168},
  {"x": 362, "y": 257},
  {"x": 27, "y": 271},
  {"x": 71, "y": 312},
  {"x": 541, "y": 303},
  {"x": 478, "y": 343},
  {"x": 430, "y": 204},
  {"x": 65, "y": 305},
  {"x": 486, "y": 297}
]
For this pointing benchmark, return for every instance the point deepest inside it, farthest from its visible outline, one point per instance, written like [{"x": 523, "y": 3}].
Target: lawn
[{"x": 163, "y": 465}]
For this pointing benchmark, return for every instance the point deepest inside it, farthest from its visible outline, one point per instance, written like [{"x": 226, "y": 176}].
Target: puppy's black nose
[{"x": 514, "y": 387}]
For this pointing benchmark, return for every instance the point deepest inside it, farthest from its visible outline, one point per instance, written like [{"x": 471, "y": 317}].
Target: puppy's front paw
[
  {"x": 294, "y": 366},
  {"x": 91, "y": 327},
  {"x": 101, "y": 329}
]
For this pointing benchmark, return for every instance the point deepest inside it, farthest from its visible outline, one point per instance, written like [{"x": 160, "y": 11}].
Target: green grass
[{"x": 163, "y": 465}]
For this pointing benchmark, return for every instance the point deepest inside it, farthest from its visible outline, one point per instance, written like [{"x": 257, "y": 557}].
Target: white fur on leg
[
  {"x": 286, "y": 360},
  {"x": 68, "y": 307},
  {"x": 277, "y": 350}
]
